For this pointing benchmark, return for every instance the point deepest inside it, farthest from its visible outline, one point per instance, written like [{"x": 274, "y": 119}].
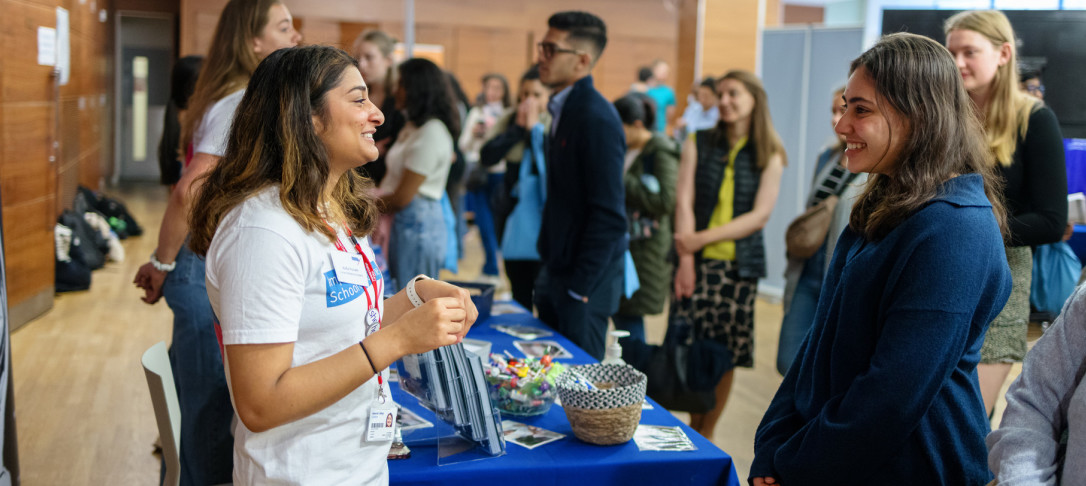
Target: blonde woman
[
  {"x": 373, "y": 49},
  {"x": 1025, "y": 140}
]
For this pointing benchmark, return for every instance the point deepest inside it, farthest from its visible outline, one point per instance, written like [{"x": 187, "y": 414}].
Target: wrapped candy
[{"x": 522, "y": 386}]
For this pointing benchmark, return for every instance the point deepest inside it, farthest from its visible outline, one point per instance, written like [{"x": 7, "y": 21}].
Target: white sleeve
[
  {"x": 467, "y": 142},
  {"x": 260, "y": 278},
  {"x": 430, "y": 149},
  {"x": 214, "y": 128}
]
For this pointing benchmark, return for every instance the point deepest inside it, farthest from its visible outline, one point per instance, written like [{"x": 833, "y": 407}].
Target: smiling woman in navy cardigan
[{"x": 885, "y": 390}]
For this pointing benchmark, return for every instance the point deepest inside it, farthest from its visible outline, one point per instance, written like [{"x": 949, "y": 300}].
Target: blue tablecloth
[{"x": 567, "y": 461}]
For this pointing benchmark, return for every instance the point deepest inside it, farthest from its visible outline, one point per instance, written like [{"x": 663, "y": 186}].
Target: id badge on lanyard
[{"x": 381, "y": 426}]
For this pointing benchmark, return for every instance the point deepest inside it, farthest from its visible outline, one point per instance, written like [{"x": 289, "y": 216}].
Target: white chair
[{"x": 156, "y": 365}]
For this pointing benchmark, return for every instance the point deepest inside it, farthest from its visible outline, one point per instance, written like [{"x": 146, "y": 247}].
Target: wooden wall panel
[
  {"x": 801, "y": 14},
  {"x": 23, "y": 77},
  {"x": 27, "y": 172},
  {"x": 773, "y": 13},
  {"x": 28, "y": 249},
  {"x": 731, "y": 33},
  {"x": 617, "y": 68},
  {"x": 506, "y": 54},
  {"x": 684, "y": 70},
  {"x": 321, "y": 31},
  {"x": 479, "y": 36},
  {"x": 349, "y": 31},
  {"x": 53, "y": 137}
]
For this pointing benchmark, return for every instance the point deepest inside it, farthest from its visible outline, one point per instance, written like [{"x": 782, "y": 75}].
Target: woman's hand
[
  {"x": 528, "y": 112},
  {"x": 150, "y": 279},
  {"x": 433, "y": 289},
  {"x": 684, "y": 278},
  {"x": 439, "y": 322},
  {"x": 689, "y": 243},
  {"x": 479, "y": 130},
  {"x": 766, "y": 481}
]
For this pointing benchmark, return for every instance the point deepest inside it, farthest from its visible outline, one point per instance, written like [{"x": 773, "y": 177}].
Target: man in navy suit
[{"x": 583, "y": 236}]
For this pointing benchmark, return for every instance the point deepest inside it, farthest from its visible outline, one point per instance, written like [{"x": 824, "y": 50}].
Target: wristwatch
[
  {"x": 412, "y": 295},
  {"x": 162, "y": 267}
]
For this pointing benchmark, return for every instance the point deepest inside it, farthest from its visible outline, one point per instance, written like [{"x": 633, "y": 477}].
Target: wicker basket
[{"x": 608, "y": 414}]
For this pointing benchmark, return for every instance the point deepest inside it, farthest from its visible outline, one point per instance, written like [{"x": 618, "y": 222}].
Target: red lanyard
[{"x": 373, "y": 280}]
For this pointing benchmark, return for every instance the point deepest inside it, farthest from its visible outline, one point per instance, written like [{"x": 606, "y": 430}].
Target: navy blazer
[{"x": 584, "y": 218}]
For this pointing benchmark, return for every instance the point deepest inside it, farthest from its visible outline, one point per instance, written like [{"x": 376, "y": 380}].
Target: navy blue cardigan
[
  {"x": 584, "y": 219},
  {"x": 885, "y": 390}
]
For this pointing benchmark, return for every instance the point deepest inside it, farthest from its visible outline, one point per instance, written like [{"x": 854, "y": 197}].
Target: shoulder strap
[
  {"x": 648, "y": 165},
  {"x": 845, "y": 183}
]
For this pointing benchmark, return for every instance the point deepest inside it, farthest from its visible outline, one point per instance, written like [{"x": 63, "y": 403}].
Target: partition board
[{"x": 800, "y": 68}]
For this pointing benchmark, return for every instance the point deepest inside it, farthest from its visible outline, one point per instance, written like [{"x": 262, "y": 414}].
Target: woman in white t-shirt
[
  {"x": 283, "y": 221},
  {"x": 418, "y": 167},
  {"x": 174, "y": 272}
]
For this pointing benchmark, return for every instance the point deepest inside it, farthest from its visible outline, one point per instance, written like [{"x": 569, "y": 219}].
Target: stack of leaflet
[{"x": 449, "y": 381}]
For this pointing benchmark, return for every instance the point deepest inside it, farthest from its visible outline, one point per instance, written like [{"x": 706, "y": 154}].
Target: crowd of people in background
[{"x": 897, "y": 332}]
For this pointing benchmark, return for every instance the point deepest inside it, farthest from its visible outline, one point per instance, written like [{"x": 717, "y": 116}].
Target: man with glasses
[{"x": 583, "y": 236}]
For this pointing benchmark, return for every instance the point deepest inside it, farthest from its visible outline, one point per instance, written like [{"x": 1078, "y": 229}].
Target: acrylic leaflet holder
[{"x": 449, "y": 381}]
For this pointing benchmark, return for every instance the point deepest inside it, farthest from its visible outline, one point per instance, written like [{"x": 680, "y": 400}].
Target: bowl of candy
[{"x": 522, "y": 386}]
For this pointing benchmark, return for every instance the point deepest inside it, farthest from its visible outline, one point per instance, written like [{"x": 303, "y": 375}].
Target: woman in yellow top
[{"x": 729, "y": 177}]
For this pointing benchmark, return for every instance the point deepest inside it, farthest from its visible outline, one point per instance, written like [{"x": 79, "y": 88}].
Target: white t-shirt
[
  {"x": 270, "y": 281},
  {"x": 214, "y": 128},
  {"x": 426, "y": 150}
]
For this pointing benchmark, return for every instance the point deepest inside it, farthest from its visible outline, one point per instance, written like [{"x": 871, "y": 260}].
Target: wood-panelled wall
[
  {"x": 53, "y": 137},
  {"x": 479, "y": 36},
  {"x": 729, "y": 37}
]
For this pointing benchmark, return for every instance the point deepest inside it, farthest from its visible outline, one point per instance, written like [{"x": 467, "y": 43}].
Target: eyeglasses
[
  {"x": 1038, "y": 89},
  {"x": 547, "y": 50}
]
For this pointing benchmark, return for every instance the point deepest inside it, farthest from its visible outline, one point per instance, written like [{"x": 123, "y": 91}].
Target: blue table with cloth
[{"x": 567, "y": 461}]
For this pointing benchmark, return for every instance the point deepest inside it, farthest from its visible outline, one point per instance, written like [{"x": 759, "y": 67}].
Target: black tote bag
[{"x": 683, "y": 371}]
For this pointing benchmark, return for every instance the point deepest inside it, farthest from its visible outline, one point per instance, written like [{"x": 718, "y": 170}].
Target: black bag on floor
[
  {"x": 114, "y": 211},
  {"x": 69, "y": 275},
  {"x": 684, "y": 371},
  {"x": 85, "y": 247}
]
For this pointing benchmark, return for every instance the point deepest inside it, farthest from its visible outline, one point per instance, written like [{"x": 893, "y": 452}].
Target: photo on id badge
[{"x": 382, "y": 420}]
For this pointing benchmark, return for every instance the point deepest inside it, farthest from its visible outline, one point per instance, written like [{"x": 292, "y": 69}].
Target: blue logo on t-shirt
[{"x": 339, "y": 293}]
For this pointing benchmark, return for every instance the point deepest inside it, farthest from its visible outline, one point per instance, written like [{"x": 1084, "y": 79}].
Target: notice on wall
[
  {"x": 47, "y": 46},
  {"x": 64, "y": 58}
]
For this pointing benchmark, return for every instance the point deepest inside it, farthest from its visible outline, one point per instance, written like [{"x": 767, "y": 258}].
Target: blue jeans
[
  {"x": 207, "y": 445},
  {"x": 634, "y": 324},
  {"x": 479, "y": 203},
  {"x": 800, "y": 316},
  {"x": 417, "y": 241}
]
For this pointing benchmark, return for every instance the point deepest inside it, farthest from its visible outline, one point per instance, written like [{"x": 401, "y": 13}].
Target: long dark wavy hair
[
  {"x": 917, "y": 78},
  {"x": 427, "y": 95},
  {"x": 273, "y": 141}
]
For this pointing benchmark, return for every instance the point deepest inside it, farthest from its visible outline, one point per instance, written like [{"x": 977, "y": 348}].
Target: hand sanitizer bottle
[{"x": 614, "y": 350}]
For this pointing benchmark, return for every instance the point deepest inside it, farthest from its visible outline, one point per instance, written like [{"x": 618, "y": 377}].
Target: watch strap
[{"x": 412, "y": 295}]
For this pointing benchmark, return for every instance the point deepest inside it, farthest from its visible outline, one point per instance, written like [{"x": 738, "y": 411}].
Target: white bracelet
[
  {"x": 412, "y": 295},
  {"x": 162, "y": 267}
]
